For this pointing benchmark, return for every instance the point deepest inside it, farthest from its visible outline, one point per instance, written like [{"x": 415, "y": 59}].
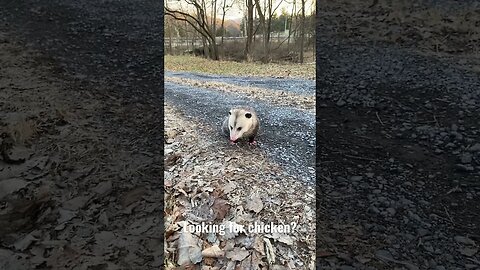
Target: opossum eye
[
  {"x": 229, "y": 113},
  {"x": 231, "y": 127},
  {"x": 248, "y": 115},
  {"x": 240, "y": 128}
]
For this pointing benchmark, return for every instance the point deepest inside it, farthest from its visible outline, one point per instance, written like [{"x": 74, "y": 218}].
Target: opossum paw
[
  {"x": 253, "y": 143},
  {"x": 233, "y": 142}
]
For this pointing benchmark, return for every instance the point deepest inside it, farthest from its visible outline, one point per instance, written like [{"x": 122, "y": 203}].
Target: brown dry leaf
[
  {"x": 220, "y": 208},
  {"x": 61, "y": 255},
  {"x": 257, "y": 260},
  {"x": 20, "y": 153},
  {"x": 133, "y": 196},
  {"x": 325, "y": 253},
  {"x": 172, "y": 159},
  {"x": 207, "y": 267},
  {"x": 25, "y": 242},
  {"x": 247, "y": 263},
  {"x": 103, "y": 188},
  {"x": 237, "y": 254},
  {"x": 22, "y": 214},
  {"x": 171, "y": 133},
  {"x": 189, "y": 250},
  {"x": 258, "y": 245},
  {"x": 139, "y": 227},
  {"x": 254, "y": 203},
  {"x": 65, "y": 215},
  {"x": 213, "y": 252},
  {"x": 11, "y": 185},
  {"x": 76, "y": 203}
]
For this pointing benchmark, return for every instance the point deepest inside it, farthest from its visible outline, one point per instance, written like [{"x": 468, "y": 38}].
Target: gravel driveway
[{"x": 287, "y": 134}]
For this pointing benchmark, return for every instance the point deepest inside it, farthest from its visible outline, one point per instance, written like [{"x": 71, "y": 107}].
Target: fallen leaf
[
  {"x": 213, "y": 252},
  {"x": 220, "y": 208},
  {"x": 20, "y": 153},
  {"x": 65, "y": 215},
  {"x": 286, "y": 239},
  {"x": 103, "y": 188},
  {"x": 254, "y": 203},
  {"x": 237, "y": 254},
  {"x": 25, "y": 242},
  {"x": 247, "y": 263},
  {"x": 270, "y": 251},
  {"x": 258, "y": 245},
  {"x": 188, "y": 249},
  {"x": 172, "y": 159},
  {"x": 133, "y": 196},
  {"x": 468, "y": 251},
  {"x": 362, "y": 259},
  {"x": 76, "y": 203},
  {"x": 11, "y": 185},
  {"x": 229, "y": 187}
]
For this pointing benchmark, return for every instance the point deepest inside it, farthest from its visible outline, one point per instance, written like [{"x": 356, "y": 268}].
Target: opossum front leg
[{"x": 252, "y": 141}]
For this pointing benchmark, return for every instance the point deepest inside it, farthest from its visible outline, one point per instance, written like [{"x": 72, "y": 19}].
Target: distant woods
[{"x": 263, "y": 30}]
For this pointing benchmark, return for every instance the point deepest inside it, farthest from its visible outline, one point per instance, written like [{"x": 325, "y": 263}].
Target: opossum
[{"x": 241, "y": 123}]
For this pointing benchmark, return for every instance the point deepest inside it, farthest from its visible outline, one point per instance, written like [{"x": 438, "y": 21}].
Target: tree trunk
[
  {"x": 302, "y": 31},
  {"x": 224, "y": 8},
  {"x": 249, "y": 43},
  {"x": 261, "y": 15}
]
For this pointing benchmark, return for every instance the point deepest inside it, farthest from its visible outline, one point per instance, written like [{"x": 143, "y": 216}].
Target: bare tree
[
  {"x": 199, "y": 22},
  {"x": 249, "y": 41},
  {"x": 225, "y": 8},
  {"x": 214, "y": 18},
  {"x": 302, "y": 31}
]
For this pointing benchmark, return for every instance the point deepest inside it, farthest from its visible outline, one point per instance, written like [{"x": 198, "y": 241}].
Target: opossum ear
[{"x": 248, "y": 115}]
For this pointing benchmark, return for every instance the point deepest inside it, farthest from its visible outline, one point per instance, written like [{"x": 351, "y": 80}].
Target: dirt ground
[{"x": 398, "y": 144}]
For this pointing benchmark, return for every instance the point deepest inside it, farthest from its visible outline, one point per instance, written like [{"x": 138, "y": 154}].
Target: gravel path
[
  {"x": 287, "y": 134},
  {"x": 298, "y": 86},
  {"x": 399, "y": 158}
]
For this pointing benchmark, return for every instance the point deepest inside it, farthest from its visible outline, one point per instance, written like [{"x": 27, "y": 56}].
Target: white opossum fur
[{"x": 241, "y": 123}]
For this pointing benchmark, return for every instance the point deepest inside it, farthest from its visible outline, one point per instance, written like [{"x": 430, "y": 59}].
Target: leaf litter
[
  {"x": 75, "y": 194},
  {"x": 215, "y": 196}
]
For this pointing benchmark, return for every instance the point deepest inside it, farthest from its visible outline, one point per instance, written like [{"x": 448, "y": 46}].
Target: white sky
[{"x": 236, "y": 11}]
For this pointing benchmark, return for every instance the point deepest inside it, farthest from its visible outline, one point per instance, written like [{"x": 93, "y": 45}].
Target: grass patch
[{"x": 198, "y": 64}]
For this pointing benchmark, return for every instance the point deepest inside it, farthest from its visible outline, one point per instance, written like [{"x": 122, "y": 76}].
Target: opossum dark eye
[
  {"x": 231, "y": 127},
  {"x": 248, "y": 115},
  {"x": 229, "y": 113},
  {"x": 240, "y": 128}
]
